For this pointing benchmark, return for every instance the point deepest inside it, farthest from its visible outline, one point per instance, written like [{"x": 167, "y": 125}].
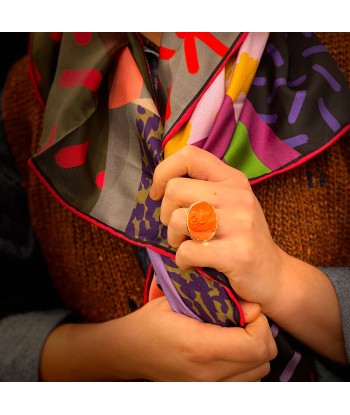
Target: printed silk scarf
[{"x": 262, "y": 103}]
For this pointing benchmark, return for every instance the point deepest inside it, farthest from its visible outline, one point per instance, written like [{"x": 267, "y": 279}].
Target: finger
[
  {"x": 182, "y": 192},
  {"x": 251, "y": 311},
  {"x": 234, "y": 371},
  {"x": 177, "y": 229},
  {"x": 213, "y": 254},
  {"x": 178, "y": 232},
  {"x": 252, "y": 345},
  {"x": 267, "y": 345},
  {"x": 194, "y": 162},
  {"x": 253, "y": 375}
]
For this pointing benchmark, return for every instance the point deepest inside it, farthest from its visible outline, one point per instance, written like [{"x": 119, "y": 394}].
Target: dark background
[
  {"x": 25, "y": 284},
  {"x": 12, "y": 47}
]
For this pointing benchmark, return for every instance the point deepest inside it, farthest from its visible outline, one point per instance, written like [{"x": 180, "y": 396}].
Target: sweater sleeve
[
  {"x": 326, "y": 370},
  {"x": 22, "y": 338},
  {"x": 340, "y": 278}
]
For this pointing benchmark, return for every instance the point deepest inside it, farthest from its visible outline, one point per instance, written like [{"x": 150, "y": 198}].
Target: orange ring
[{"x": 202, "y": 221}]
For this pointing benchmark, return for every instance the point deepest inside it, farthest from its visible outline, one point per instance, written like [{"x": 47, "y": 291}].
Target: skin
[
  {"x": 297, "y": 296},
  {"x": 157, "y": 344},
  {"x": 133, "y": 347}
]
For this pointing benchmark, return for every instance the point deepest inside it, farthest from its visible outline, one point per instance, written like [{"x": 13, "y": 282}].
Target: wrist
[
  {"x": 123, "y": 347},
  {"x": 307, "y": 307},
  {"x": 282, "y": 285}
]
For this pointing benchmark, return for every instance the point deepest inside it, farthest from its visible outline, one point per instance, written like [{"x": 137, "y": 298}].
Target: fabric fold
[{"x": 262, "y": 103}]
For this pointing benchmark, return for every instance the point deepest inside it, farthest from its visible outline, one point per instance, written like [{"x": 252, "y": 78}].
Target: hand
[
  {"x": 165, "y": 346},
  {"x": 156, "y": 343},
  {"x": 297, "y": 296},
  {"x": 242, "y": 248}
]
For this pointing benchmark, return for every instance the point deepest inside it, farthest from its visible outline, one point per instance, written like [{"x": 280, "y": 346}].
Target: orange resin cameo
[{"x": 201, "y": 221}]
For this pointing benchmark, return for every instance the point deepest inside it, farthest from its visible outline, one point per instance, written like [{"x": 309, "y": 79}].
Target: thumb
[{"x": 251, "y": 311}]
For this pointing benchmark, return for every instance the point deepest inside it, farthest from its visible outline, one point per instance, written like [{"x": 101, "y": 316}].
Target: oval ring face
[{"x": 202, "y": 221}]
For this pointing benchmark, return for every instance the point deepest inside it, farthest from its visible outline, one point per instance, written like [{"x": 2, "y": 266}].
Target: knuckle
[
  {"x": 156, "y": 172},
  {"x": 171, "y": 188},
  {"x": 176, "y": 219},
  {"x": 181, "y": 256},
  {"x": 171, "y": 238},
  {"x": 242, "y": 178},
  {"x": 261, "y": 349},
  {"x": 248, "y": 200},
  {"x": 188, "y": 152},
  {"x": 185, "y": 254},
  {"x": 174, "y": 239},
  {"x": 175, "y": 236},
  {"x": 163, "y": 217},
  {"x": 159, "y": 173}
]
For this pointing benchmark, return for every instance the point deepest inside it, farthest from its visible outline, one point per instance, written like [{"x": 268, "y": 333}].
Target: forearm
[
  {"x": 158, "y": 344},
  {"x": 307, "y": 307},
  {"x": 82, "y": 352}
]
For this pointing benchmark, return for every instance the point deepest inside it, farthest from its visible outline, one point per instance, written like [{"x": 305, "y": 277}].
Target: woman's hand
[
  {"x": 158, "y": 344},
  {"x": 297, "y": 296},
  {"x": 242, "y": 248},
  {"x": 162, "y": 345}
]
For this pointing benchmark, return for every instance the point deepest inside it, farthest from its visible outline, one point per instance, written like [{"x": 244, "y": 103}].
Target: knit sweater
[{"x": 100, "y": 277}]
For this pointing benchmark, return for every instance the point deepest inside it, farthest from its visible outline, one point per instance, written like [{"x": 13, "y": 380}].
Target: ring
[{"x": 201, "y": 221}]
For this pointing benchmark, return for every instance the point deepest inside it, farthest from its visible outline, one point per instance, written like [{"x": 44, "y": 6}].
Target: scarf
[{"x": 262, "y": 103}]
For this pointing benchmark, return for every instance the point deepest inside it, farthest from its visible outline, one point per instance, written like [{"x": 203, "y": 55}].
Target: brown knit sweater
[{"x": 99, "y": 275}]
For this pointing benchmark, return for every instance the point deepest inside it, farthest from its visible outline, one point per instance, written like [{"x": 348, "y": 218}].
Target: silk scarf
[{"x": 262, "y": 103}]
